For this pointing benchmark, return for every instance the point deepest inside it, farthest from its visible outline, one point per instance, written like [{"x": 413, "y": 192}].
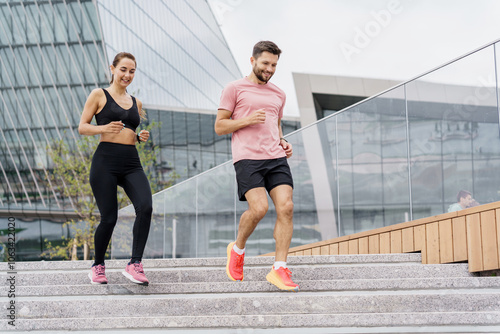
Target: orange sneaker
[
  {"x": 234, "y": 266},
  {"x": 282, "y": 278}
]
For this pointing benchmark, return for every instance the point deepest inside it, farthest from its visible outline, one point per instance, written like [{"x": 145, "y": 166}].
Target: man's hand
[
  {"x": 257, "y": 117},
  {"x": 287, "y": 147}
]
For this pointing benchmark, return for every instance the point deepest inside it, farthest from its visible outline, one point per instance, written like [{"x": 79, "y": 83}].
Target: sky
[{"x": 384, "y": 39}]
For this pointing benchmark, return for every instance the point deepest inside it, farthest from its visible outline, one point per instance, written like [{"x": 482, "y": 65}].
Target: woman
[{"x": 116, "y": 163}]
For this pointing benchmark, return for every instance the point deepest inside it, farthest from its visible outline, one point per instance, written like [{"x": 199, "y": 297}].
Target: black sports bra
[{"x": 113, "y": 112}]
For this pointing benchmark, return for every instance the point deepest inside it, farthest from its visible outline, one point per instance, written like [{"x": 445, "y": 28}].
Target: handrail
[
  {"x": 352, "y": 106},
  {"x": 399, "y": 85}
]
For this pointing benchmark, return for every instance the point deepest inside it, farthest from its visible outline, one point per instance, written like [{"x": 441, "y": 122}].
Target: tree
[{"x": 70, "y": 177}]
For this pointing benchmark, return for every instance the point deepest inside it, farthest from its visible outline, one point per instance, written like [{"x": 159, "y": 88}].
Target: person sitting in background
[
  {"x": 464, "y": 199},
  {"x": 473, "y": 203}
]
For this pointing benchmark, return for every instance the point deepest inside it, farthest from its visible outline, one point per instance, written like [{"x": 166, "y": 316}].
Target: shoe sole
[
  {"x": 95, "y": 283},
  {"x": 229, "y": 248},
  {"x": 132, "y": 279},
  {"x": 277, "y": 282}
]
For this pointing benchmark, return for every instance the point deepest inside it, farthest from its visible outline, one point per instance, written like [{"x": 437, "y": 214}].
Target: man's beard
[{"x": 258, "y": 74}]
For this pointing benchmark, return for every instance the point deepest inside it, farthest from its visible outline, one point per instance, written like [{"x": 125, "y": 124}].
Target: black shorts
[{"x": 261, "y": 173}]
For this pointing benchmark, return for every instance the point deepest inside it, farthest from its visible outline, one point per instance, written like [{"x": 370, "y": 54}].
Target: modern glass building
[
  {"x": 402, "y": 154},
  {"x": 53, "y": 53}
]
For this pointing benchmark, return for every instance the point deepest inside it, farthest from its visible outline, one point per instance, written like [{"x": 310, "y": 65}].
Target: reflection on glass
[{"x": 453, "y": 131}]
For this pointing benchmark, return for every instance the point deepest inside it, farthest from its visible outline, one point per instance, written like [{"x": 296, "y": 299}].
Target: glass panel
[
  {"x": 453, "y": 122},
  {"x": 208, "y": 160},
  {"x": 216, "y": 200},
  {"x": 372, "y": 163},
  {"x": 180, "y": 129},
  {"x": 180, "y": 221},
  {"x": 193, "y": 131},
  {"x": 28, "y": 241},
  {"x": 309, "y": 225}
]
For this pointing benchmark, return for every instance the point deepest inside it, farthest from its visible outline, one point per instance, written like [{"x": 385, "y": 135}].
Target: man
[
  {"x": 251, "y": 109},
  {"x": 464, "y": 200}
]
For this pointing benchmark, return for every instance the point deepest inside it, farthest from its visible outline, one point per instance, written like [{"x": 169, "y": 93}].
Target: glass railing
[{"x": 398, "y": 156}]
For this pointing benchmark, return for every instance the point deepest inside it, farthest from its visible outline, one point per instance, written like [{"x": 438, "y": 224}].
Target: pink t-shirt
[{"x": 259, "y": 141}]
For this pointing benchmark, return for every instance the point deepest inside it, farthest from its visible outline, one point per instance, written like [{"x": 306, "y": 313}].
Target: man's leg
[
  {"x": 257, "y": 209},
  {"x": 280, "y": 275},
  {"x": 282, "y": 197}
]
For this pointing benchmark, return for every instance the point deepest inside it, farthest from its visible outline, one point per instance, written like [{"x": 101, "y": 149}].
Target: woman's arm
[{"x": 91, "y": 107}]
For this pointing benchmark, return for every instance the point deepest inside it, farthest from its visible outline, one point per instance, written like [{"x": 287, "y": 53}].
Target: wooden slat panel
[
  {"x": 445, "y": 241},
  {"x": 489, "y": 240},
  {"x": 334, "y": 249},
  {"x": 474, "y": 252},
  {"x": 419, "y": 237},
  {"x": 385, "y": 243},
  {"x": 374, "y": 244},
  {"x": 344, "y": 247},
  {"x": 432, "y": 242},
  {"x": 363, "y": 245},
  {"x": 459, "y": 239},
  {"x": 353, "y": 246},
  {"x": 498, "y": 234},
  {"x": 408, "y": 243},
  {"x": 396, "y": 242},
  {"x": 316, "y": 251},
  {"x": 469, "y": 235},
  {"x": 424, "y": 251}
]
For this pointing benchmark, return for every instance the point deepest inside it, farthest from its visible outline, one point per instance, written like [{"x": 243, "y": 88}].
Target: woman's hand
[
  {"x": 113, "y": 127},
  {"x": 143, "y": 135}
]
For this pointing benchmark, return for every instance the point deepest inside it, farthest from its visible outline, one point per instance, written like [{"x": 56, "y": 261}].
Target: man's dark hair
[
  {"x": 462, "y": 194},
  {"x": 265, "y": 46}
]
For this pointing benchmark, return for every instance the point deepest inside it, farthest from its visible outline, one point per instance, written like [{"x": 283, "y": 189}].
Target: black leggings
[{"x": 119, "y": 165}]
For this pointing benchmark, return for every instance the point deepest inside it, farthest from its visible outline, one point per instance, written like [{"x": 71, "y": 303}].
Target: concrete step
[
  {"x": 487, "y": 300},
  {"x": 304, "y": 268},
  {"x": 218, "y": 274},
  {"x": 465, "y": 283},
  {"x": 412, "y": 322},
  {"x": 220, "y": 262},
  {"x": 314, "y": 309},
  {"x": 374, "y": 294}
]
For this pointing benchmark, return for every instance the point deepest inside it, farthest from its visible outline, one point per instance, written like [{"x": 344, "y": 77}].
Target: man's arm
[
  {"x": 225, "y": 125},
  {"x": 283, "y": 142}
]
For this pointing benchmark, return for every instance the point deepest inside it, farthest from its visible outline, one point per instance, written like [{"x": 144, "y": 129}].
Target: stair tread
[
  {"x": 488, "y": 320},
  {"x": 369, "y": 292},
  {"x": 219, "y": 261},
  {"x": 257, "y": 286}
]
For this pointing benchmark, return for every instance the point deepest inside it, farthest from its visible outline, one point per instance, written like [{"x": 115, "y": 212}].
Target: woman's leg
[
  {"x": 136, "y": 186},
  {"x": 104, "y": 187}
]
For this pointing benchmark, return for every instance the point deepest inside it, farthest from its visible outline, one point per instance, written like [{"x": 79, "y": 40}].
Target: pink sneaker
[
  {"x": 97, "y": 275},
  {"x": 135, "y": 273}
]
